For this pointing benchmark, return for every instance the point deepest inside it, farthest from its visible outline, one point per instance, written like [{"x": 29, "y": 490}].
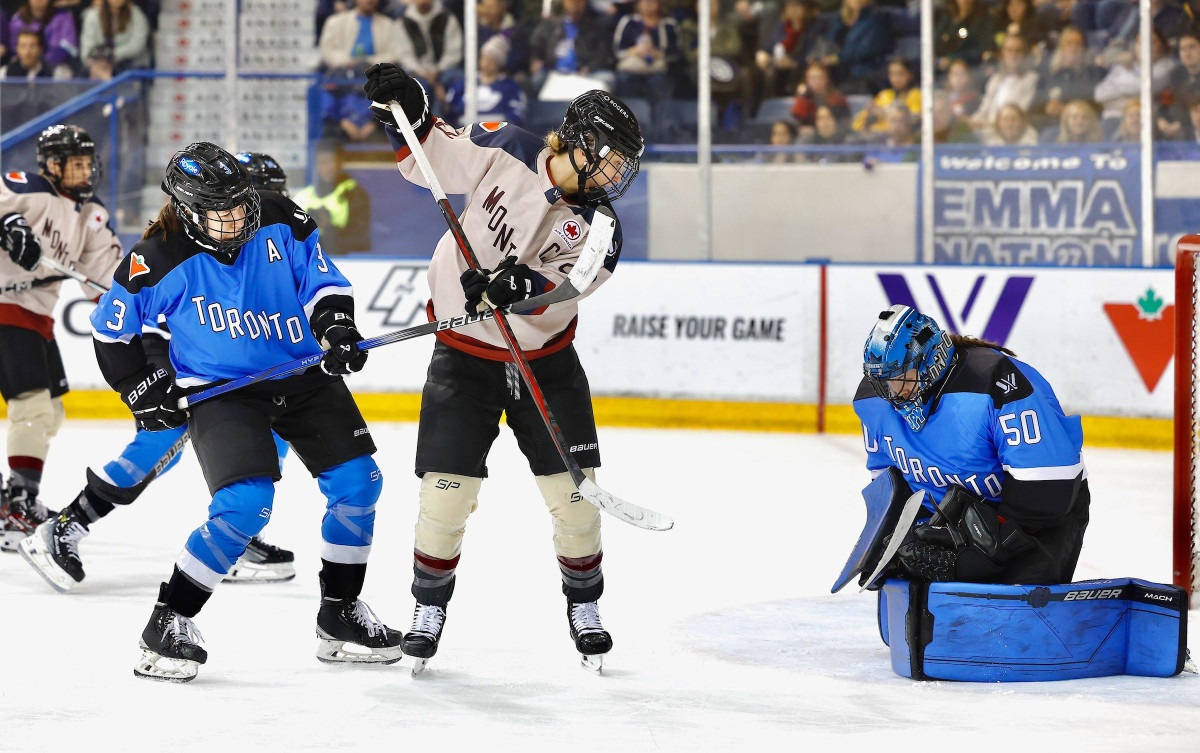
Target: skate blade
[
  {"x": 593, "y": 663},
  {"x": 155, "y": 666},
  {"x": 346, "y": 652},
  {"x": 419, "y": 666},
  {"x": 254, "y": 572},
  {"x": 35, "y": 551}
]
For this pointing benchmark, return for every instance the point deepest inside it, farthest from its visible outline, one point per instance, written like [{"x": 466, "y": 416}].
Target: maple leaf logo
[{"x": 1150, "y": 306}]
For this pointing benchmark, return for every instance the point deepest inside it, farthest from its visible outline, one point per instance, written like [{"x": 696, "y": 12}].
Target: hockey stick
[
  {"x": 22, "y": 286},
  {"x": 576, "y": 283},
  {"x": 626, "y": 511},
  {"x": 66, "y": 271}
]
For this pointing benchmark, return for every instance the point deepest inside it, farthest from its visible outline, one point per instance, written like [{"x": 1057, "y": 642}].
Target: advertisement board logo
[
  {"x": 973, "y": 317},
  {"x": 402, "y": 296},
  {"x": 1146, "y": 329}
]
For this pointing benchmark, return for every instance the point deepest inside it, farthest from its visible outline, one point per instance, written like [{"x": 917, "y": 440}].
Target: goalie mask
[
  {"x": 605, "y": 130},
  {"x": 56, "y": 145},
  {"x": 214, "y": 198},
  {"x": 265, "y": 172},
  {"x": 905, "y": 357}
]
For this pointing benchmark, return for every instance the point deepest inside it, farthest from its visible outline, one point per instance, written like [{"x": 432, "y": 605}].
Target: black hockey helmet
[
  {"x": 55, "y": 145},
  {"x": 265, "y": 172},
  {"x": 607, "y": 132},
  {"x": 206, "y": 185}
]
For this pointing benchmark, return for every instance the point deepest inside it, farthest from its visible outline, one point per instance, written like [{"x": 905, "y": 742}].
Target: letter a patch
[{"x": 137, "y": 265}]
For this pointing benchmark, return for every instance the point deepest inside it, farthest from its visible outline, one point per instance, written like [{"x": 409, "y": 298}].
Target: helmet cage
[
  {"x": 609, "y": 136},
  {"x": 55, "y": 145},
  {"x": 207, "y": 185}
]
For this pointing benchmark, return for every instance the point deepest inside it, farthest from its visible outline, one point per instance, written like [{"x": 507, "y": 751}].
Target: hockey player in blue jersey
[
  {"x": 985, "y": 437},
  {"x": 53, "y": 549},
  {"x": 243, "y": 284}
]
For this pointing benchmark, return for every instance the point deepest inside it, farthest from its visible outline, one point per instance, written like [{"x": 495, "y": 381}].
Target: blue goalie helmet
[{"x": 905, "y": 356}]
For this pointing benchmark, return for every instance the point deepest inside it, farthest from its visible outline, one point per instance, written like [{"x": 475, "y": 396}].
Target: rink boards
[{"x": 746, "y": 345}]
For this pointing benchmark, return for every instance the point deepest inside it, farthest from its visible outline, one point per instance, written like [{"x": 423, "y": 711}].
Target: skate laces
[
  {"x": 428, "y": 620},
  {"x": 586, "y": 617},
  {"x": 258, "y": 542},
  {"x": 181, "y": 628},
  {"x": 363, "y": 615},
  {"x": 70, "y": 536}
]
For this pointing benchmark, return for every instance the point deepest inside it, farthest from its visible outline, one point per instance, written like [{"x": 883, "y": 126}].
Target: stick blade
[{"x": 626, "y": 511}]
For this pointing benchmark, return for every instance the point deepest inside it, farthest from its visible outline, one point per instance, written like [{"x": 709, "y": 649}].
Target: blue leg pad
[
  {"x": 351, "y": 489},
  {"x": 237, "y": 513}
]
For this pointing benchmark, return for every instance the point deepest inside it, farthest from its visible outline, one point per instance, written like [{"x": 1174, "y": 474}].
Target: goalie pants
[{"x": 461, "y": 405}]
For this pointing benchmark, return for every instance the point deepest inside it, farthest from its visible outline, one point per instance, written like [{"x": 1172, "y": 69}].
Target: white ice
[{"x": 726, "y": 636}]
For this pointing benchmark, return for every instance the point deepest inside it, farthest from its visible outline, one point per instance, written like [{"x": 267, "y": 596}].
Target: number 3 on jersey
[
  {"x": 1027, "y": 432},
  {"x": 116, "y": 326}
]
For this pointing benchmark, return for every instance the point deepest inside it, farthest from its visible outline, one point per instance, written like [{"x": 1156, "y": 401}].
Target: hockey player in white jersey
[
  {"x": 53, "y": 213},
  {"x": 533, "y": 199}
]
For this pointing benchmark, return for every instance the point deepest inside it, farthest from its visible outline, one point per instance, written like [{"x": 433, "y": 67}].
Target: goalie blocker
[{"x": 990, "y": 633}]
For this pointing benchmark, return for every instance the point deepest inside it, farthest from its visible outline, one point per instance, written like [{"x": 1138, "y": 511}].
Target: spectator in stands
[
  {"x": 1129, "y": 127},
  {"x": 100, "y": 65},
  {"x": 817, "y": 90},
  {"x": 896, "y": 140},
  {"x": 1020, "y": 18},
  {"x": 1122, "y": 81},
  {"x": 948, "y": 129},
  {"x": 495, "y": 20},
  {"x": 357, "y": 38},
  {"x": 963, "y": 31},
  {"x": 345, "y": 114},
  {"x": 828, "y": 131},
  {"x": 1120, "y": 18},
  {"x": 57, "y": 27},
  {"x": 431, "y": 45},
  {"x": 732, "y": 43},
  {"x": 781, "y": 59},
  {"x": 1183, "y": 87},
  {"x": 1191, "y": 130},
  {"x": 3, "y": 36},
  {"x": 1065, "y": 75},
  {"x": 962, "y": 92},
  {"x": 864, "y": 38},
  {"x": 1010, "y": 128},
  {"x": 29, "y": 61},
  {"x": 903, "y": 89},
  {"x": 498, "y": 96},
  {"x": 575, "y": 39},
  {"x": 340, "y": 207},
  {"x": 1013, "y": 83},
  {"x": 1079, "y": 124},
  {"x": 120, "y": 27},
  {"x": 783, "y": 133},
  {"x": 648, "y": 53}
]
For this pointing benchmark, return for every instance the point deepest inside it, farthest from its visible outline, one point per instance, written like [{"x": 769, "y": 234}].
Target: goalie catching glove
[
  {"x": 387, "y": 82},
  {"x": 335, "y": 330},
  {"x": 153, "y": 399},
  {"x": 966, "y": 542},
  {"x": 509, "y": 284}
]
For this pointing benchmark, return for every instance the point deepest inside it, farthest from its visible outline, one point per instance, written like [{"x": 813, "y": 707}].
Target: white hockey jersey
[
  {"x": 72, "y": 234},
  {"x": 515, "y": 209}
]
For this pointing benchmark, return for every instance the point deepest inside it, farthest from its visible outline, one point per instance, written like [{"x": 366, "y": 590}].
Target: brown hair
[
  {"x": 26, "y": 14},
  {"x": 965, "y": 341},
  {"x": 555, "y": 142},
  {"x": 166, "y": 222},
  {"x": 110, "y": 26}
]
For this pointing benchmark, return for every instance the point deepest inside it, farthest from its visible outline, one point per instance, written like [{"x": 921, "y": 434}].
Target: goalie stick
[
  {"x": 578, "y": 280},
  {"x": 603, "y": 222}
]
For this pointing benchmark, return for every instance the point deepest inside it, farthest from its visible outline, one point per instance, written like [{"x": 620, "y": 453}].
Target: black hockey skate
[
  {"x": 170, "y": 645},
  {"x": 421, "y": 641},
  {"x": 351, "y": 621},
  {"x": 53, "y": 551},
  {"x": 591, "y": 639},
  {"x": 263, "y": 563},
  {"x": 20, "y": 514}
]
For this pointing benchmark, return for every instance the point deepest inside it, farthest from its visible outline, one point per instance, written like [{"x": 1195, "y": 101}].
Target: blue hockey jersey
[
  {"x": 226, "y": 320},
  {"x": 996, "y": 429}
]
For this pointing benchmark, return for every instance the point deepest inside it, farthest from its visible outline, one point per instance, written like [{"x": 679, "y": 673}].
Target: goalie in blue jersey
[
  {"x": 244, "y": 284},
  {"x": 983, "y": 435}
]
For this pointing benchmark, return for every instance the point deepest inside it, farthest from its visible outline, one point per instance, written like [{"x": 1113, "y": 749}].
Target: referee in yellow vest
[{"x": 341, "y": 208}]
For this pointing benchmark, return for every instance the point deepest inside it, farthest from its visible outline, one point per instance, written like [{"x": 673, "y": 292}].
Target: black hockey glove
[
  {"x": 336, "y": 330},
  {"x": 153, "y": 399},
  {"x": 387, "y": 82},
  {"x": 19, "y": 240},
  {"x": 510, "y": 283},
  {"x": 968, "y": 543}
]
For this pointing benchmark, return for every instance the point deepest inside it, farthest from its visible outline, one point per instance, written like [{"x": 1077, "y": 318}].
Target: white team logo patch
[
  {"x": 570, "y": 232},
  {"x": 1008, "y": 383},
  {"x": 97, "y": 220}
]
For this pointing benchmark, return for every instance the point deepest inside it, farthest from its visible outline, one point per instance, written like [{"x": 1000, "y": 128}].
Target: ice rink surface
[{"x": 726, "y": 636}]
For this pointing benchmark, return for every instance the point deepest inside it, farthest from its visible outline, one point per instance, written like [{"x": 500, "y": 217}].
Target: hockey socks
[{"x": 582, "y": 579}]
